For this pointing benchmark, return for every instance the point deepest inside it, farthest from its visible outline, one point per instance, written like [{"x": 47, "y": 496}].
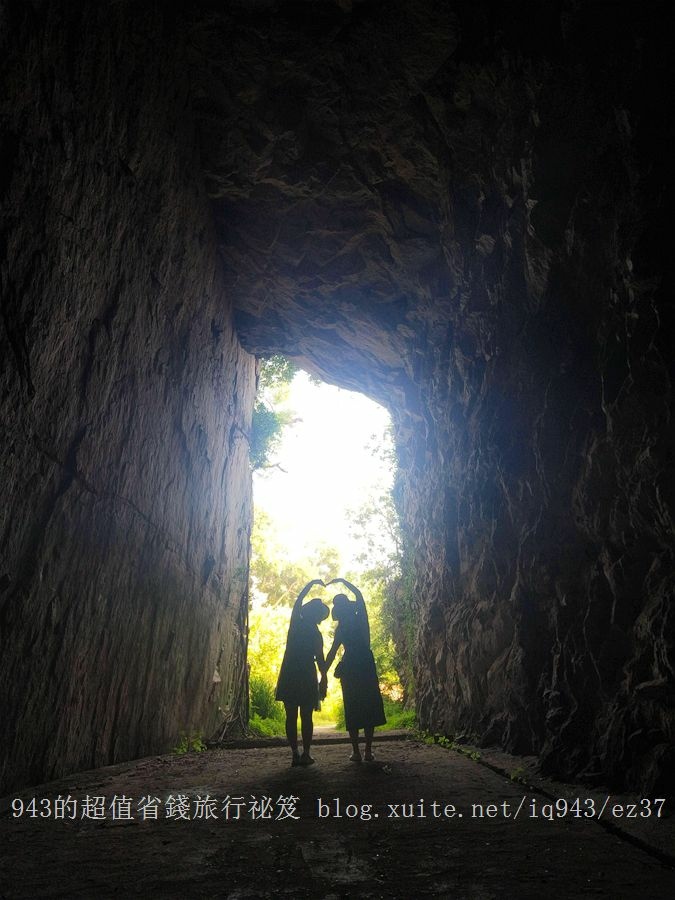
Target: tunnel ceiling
[
  {"x": 329, "y": 144},
  {"x": 374, "y": 166},
  {"x": 370, "y": 162}
]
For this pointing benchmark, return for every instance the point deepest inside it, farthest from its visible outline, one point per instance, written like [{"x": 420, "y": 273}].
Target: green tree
[
  {"x": 275, "y": 373},
  {"x": 277, "y": 579},
  {"x": 384, "y": 577},
  {"x": 269, "y": 420}
]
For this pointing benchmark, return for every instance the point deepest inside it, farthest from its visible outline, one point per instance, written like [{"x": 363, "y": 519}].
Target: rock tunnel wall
[
  {"x": 124, "y": 402},
  {"x": 459, "y": 210}
]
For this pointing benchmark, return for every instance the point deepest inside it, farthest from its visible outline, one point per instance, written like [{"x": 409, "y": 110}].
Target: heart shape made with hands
[{"x": 326, "y": 583}]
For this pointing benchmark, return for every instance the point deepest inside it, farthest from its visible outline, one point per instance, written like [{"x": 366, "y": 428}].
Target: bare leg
[
  {"x": 292, "y": 728},
  {"x": 307, "y": 733},
  {"x": 368, "y": 732},
  {"x": 354, "y": 736}
]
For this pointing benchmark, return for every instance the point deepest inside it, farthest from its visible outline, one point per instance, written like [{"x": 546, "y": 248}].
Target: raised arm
[
  {"x": 301, "y": 596},
  {"x": 352, "y": 587},
  {"x": 361, "y": 610}
]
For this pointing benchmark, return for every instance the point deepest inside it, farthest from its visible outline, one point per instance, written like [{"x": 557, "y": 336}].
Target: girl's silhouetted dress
[
  {"x": 297, "y": 686},
  {"x": 356, "y": 670}
]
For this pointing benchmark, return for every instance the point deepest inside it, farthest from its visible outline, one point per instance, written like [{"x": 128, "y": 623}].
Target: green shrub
[
  {"x": 403, "y": 718},
  {"x": 189, "y": 742},
  {"x": 397, "y": 716},
  {"x": 340, "y": 723},
  {"x": 266, "y": 727},
  {"x": 332, "y": 711},
  {"x": 263, "y": 703},
  {"x": 266, "y": 430},
  {"x": 449, "y": 743}
]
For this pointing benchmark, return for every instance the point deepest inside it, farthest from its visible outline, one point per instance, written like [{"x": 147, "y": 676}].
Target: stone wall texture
[
  {"x": 459, "y": 209},
  {"x": 125, "y": 399}
]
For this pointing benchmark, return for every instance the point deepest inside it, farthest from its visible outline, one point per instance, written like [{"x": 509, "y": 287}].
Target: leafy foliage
[
  {"x": 189, "y": 742},
  {"x": 262, "y": 692},
  {"x": 266, "y": 428},
  {"x": 266, "y": 727},
  {"x": 398, "y": 619},
  {"x": 387, "y": 581},
  {"x": 267, "y": 640},
  {"x": 275, "y": 577},
  {"x": 268, "y": 422},
  {"x": 399, "y": 718},
  {"x": 267, "y": 715},
  {"x": 275, "y": 372},
  {"x": 448, "y": 743}
]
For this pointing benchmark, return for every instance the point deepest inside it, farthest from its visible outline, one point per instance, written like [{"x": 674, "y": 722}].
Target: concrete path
[{"x": 421, "y": 821}]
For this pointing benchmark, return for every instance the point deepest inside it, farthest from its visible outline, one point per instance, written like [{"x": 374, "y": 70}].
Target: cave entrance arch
[{"x": 323, "y": 507}]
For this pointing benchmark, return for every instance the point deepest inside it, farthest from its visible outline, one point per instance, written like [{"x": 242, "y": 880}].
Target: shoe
[
  {"x": 306, "y": 760},
  {"x": 295, "y": 760},
  {"x": 355, "y": 757}
]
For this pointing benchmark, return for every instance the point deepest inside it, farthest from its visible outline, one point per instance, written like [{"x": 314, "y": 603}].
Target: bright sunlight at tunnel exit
[
  {"x": 334, "y": 457},
  {"x": 323, "y": 508}
]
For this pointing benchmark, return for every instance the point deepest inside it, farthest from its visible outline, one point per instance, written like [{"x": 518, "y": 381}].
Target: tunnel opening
[{"x": 323, "y": 508}]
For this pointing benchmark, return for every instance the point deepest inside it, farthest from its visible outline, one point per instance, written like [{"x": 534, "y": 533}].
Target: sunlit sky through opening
[{"x": 329, "y": 469}]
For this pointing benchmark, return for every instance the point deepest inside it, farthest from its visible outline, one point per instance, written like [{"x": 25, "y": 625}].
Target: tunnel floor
[{"x": 375, "y": 839}]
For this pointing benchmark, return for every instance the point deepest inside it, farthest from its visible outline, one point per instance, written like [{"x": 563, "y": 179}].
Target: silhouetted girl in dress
[
  {"x": 297, "y": 686},
  {"x": 356, "y": 670}
]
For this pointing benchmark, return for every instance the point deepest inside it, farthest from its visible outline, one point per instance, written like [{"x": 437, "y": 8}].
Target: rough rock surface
[
  {"x": 460, "y": 211},
  {"x": 124, "y": 401},
  {"x": 456, "y": 208}
]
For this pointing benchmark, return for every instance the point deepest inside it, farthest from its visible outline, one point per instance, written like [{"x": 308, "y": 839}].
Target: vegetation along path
[{"x": 421, "y": 821}]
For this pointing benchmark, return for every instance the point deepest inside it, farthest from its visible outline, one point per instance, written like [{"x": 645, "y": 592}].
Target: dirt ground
[{"x": 420, "y": 821}]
